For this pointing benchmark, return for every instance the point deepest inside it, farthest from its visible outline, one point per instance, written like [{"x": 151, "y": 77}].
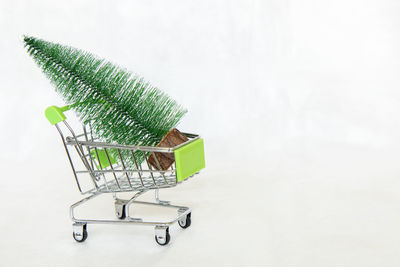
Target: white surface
[{"x": 312, "y": 85}]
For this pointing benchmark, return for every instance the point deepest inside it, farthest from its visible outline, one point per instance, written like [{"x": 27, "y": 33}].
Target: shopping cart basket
[{"x": 100, "y": 167}]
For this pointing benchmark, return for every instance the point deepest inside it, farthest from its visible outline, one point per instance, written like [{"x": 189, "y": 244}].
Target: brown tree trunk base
[{"x": 163, "y": 161}]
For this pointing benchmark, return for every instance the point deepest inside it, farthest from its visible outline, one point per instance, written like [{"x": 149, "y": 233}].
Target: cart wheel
[
  {"x": 185, "y": 223},
  {"x": 120, "y": 211},
  {"x": 162, "y": 238},
  {"x": 80, "y": 233}
]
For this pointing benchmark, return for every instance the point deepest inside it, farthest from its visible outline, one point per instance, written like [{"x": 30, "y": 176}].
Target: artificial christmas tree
[{"x": 121, "y": 107}]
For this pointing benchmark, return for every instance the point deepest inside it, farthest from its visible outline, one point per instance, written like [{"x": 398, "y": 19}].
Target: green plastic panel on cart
[
  {"x": 103, "y": 158},
  {"x": 189, "y": 159}
]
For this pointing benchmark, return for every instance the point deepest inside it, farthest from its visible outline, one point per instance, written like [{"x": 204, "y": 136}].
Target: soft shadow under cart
[{"x": 104, "y": 168}]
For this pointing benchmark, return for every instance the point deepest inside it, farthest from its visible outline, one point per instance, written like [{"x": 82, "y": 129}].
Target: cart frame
[{"x": 107, "y": 169}]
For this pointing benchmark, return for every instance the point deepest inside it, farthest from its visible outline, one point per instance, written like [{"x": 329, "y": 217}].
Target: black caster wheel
[
  {"x": 163, "y": 239},
  {"x": 81, "y": 235},
  {"x": 120, "y": 212},
  {"x": 185, "y": 223}
]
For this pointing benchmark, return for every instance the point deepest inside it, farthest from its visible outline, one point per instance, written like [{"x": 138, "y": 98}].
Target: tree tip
[{"x": 28, "y": 39}]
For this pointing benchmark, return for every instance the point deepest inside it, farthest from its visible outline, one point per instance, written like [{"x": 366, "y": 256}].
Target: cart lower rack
[{"x": 100, "y": 168}]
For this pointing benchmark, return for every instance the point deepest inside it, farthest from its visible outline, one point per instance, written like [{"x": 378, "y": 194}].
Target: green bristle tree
[{"x": 121, "y": 107}]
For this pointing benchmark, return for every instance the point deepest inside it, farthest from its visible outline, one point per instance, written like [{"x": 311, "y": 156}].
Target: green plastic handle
[{"x": 55, "y": 114}]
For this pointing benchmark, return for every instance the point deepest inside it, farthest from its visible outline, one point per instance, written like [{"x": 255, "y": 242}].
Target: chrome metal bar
[
  {"x": 71, "y": 141},
  {"x": 97, "y": 154},
  {"x": 148, "y": 165},
  {"x": 81, "y": 154},
  {"x": 123, "y": 167},
  {"x": 137, "y": 167},
  {"x": 123, "y": 171},
  {"x": 88, "y": 147},
  {"x": 128, "y": 204},
  {"x": 112, "y": 168},
  {"x": 187, "y": 142},
  {"x": 156, "y": 195},
  {"x": 101, "y": 167},
  {"x": 182, "y": 212},
  {"x": 98, "y": 159},
  {"x": 69, "y": 158},
  {"x": 159, "y": 167},
  {"x": 91, "y": 132},
  {"x": 190, "y": 135},
  {"x": 80, "y": 202}
]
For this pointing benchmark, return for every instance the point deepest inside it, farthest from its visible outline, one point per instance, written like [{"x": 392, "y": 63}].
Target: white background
[{"x": 298, "y": 103}]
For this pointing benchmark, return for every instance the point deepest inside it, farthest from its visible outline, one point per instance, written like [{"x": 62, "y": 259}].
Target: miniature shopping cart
[{"x": 100, "y": 167}]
